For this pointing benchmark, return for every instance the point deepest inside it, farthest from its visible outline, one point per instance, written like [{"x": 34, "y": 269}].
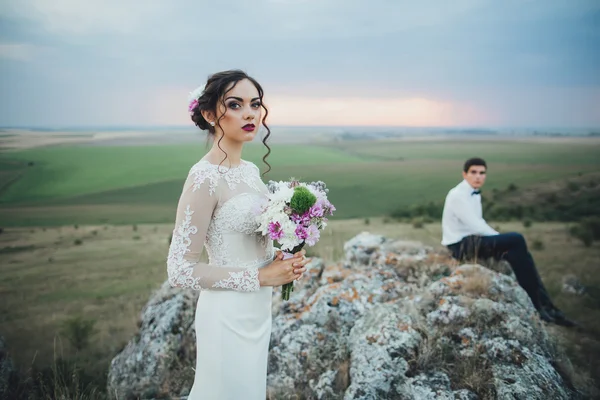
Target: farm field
[{"x": 64, "y": 185}]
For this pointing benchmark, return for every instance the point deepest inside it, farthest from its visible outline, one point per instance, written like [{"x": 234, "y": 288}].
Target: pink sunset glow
[{"x": 168, "y": 108}]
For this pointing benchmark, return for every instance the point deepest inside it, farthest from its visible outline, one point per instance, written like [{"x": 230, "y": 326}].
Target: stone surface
[
  {"x": 391, "y": 320},
  {"x": 157, "y": 361}
]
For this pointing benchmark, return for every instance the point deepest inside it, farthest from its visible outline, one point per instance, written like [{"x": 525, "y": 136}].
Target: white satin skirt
[{"x": 233, "y": 330}]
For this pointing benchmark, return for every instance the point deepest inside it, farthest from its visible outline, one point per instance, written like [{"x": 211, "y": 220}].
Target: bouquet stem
[{"x": 288, "y": 288}]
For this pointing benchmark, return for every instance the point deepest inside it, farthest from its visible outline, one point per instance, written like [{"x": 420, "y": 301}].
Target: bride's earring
[{"x": 212, "y": 123}]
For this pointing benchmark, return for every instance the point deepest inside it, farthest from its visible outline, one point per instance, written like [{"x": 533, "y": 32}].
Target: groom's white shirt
[{"x": 462, "y": 215}]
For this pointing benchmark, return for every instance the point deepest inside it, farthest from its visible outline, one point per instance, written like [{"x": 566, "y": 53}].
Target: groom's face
[{"x": 475, "y": 176}]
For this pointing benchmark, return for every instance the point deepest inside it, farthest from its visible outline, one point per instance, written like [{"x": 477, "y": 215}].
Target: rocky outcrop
[
  {"x": 157, "y": 362},
  {"x": 395, "y": 320},
  {"x": 392, "y": 320}
]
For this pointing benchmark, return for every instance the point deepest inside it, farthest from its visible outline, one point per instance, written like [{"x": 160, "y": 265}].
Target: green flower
[{"x": 302, "y": 200}]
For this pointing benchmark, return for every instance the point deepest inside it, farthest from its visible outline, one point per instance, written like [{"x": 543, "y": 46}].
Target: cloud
[
  {"x": 81, "y": 18},
  {"x": 17, "y": 51},
  {"x": 228, "y": 20},
  {"x": 450, "y": 55}
]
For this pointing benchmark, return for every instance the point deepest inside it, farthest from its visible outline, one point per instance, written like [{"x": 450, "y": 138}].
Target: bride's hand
[
  {"x": 281, "y": 271},
  {"x": 299, "y": 265}
]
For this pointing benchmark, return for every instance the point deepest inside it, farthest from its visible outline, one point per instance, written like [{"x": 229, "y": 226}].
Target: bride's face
[{"x": 240, "y": 116}]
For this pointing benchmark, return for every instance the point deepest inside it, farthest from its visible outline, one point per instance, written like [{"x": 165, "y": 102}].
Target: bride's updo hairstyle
[{"x": 213, "y": 93}]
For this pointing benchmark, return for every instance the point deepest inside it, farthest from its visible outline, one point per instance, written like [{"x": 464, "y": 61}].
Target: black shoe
[
  {"x": 545, "y": 315},
  {"x": 561, "y": 319}
]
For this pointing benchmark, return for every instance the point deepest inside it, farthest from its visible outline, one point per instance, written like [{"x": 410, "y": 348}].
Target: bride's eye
[
  {"x": 256, "y": 104},
  {"x": 233, "y": 105}
]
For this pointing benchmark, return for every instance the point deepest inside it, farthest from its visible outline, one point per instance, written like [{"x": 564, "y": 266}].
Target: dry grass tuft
[
  {"x": 465, "y": 372},
  {"x": 476, "y": 284}
]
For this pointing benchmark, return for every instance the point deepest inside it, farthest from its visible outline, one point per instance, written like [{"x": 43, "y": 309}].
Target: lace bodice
[{"x": 217, "y": 210}]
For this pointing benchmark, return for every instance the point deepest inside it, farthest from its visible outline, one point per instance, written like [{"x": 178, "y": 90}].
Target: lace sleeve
[{"x": 194, "y": 213}]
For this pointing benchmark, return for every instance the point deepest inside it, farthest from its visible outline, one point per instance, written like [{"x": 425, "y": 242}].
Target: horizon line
[{"x": 57, "y": 127}]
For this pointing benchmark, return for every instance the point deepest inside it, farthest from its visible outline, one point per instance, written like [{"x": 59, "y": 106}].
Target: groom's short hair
[{"x": 474, "y": 161}]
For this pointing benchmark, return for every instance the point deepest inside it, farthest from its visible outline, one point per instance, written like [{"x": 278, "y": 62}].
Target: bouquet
[{"x": 294, "y": 216}]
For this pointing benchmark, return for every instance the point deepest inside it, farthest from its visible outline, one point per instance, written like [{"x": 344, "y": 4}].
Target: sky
[{"x": 475, "y": 63}]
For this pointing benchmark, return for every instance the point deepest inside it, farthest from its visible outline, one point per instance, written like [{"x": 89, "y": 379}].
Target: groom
[{"x": 467, "y": 235}]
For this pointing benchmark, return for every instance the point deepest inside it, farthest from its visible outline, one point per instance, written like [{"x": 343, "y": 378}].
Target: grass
[
  {"x": 130, "y": 184},
  {"x": 105, "y": 270},
  {"x": 494, "y": 151},
  {"x": 65, "y": 172},
  {"x": 110, "y": 276}
]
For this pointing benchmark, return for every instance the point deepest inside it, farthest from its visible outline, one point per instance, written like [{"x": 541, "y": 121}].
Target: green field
[
  {"x": 65, "y": 185},
  {"x": 86, "y": 228}
]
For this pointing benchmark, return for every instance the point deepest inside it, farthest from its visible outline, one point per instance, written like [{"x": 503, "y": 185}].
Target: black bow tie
[{"x": 476, "y": 192}]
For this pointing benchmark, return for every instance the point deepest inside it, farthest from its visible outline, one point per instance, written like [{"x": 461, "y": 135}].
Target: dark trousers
[{"x": 512, "y": 248}]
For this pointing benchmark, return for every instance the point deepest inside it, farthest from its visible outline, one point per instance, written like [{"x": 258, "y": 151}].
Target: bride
[{"x": 216, "y": 209}]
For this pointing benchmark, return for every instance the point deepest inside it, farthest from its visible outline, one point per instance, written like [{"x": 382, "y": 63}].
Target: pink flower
[
  {"x": 275, "y": 231},
  {"x": 301, "y": 219},
  {"x": 193, "y": 105},
  {"x": 316, "y": 211},
  {"x": 301, "y": 232},
  {"x": 312, "y": 235},
  {"x": 328, "y": 208}
]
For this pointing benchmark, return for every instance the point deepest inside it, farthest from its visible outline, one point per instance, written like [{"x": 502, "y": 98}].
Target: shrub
[
  {"x": 78, "y": 242},
  {"x": 583, "y": 234},
  {"x": 552, "y": 198},
  {"x": 417, "y": 223},
  {"x": 537, "y": 245},
  {"x": 527, "y": 223},
  {"x": 593, "y": 225},
  {"x": 79, "y": 331},
  {"x": 400, "y": 213}
]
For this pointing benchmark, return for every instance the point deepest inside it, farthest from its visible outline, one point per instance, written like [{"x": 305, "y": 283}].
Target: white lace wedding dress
[{"x": 233, "y": 314}]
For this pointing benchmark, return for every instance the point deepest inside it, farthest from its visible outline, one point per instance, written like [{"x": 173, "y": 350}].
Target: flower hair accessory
[{"x": 193, "y": 98}]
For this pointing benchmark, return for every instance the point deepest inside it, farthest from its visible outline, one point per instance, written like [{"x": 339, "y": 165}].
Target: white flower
[
  {"x": 271, "y": 214},
  {"x": 283, "y": 195},
  {"x": 195, "y": 95}
]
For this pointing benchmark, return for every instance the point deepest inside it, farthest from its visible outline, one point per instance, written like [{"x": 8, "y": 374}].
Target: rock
[
  {"x": 361, "y": 247},
  {"x": 392, "y": 320},
  {"x": 411, "y": 327},
  {"x": 381, "y": 344},
  {"x": 435, "y": 386},
  {"x": 157, "y": 362},
  {"x": 572, "y": 285}
]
